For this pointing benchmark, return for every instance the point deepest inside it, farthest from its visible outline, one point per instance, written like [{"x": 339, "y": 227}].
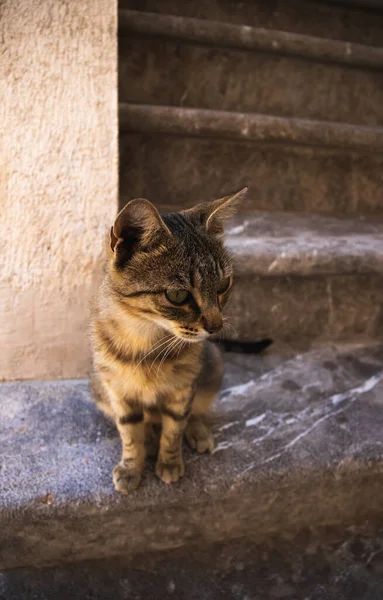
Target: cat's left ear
[
  {"x": 137, "y": 224},
  {"x": 212, "y": 215}
]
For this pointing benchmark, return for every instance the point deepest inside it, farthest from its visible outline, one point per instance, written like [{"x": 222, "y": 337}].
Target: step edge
[
  {"x": 285, "y": 257},
  {"x": 262, "y": 488},
  {"x": 244, "y": 37},
  {"x": 248, "y": 127},
  {"x": 339, "y": 481}
]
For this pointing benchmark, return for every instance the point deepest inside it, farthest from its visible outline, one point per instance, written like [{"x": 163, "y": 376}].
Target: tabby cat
[{"x": 167, "y": 281}]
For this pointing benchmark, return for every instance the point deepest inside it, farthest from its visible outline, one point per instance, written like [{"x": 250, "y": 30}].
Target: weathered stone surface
[
  {"x": 274, "y": 243},
  {"x": 58, "y": 178},
  {"x": 306, "y": 278},
  {"x": 306, "y": 310},
  {"x": 228, "y": 125},
  {"x": 243, "y": 37},
  {"x": 321, "y": 565},
  {"x": 184, "y": 171},
  {"x": 219, "y": 79},
  {"x": 292, "y": 432},
  {"x": 352, "y": 24}
]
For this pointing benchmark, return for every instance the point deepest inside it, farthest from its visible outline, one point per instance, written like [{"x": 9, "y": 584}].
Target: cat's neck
[{"x": 136, "y": 332}]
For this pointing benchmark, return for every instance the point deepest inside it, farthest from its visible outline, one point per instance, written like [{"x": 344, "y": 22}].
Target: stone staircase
[
  {"x": 286, "y": 98},
  {"x": 209, "y": 105}
]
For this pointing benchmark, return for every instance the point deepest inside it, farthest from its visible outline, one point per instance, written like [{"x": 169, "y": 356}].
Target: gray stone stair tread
[
  {"x": 232, "y": 80},
  {"x": 251, "y": 127},
  {"x": 185, "y": 170},
  {"x": 280, "y": 243},
  {"x": 215, "y": 33},
  {"x": 291, "y": 430},
  {"x": 345, "y": 23},
  {"x": 342, "y": 564}
]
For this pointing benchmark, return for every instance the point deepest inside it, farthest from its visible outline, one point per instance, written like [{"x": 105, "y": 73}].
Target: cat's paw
[
  {"x": 170, "y": 472},
  {"x": 126, "y": 479},
  {"x": 199, "y": 437}
]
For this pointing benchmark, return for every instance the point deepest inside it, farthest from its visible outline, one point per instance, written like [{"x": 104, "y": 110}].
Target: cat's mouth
[
  {"x": 183, "y": 332},
  {"x": 191, "y": 334}
]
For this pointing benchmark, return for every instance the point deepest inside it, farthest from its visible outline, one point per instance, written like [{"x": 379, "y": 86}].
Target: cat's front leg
[
  {"x": 130, "y": 423},
  {"x": 175, "y": 412}
]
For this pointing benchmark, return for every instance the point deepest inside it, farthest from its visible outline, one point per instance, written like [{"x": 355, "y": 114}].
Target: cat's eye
[
  {"x": 177, "y": 296},
  {"x": 224, "y": 285}
]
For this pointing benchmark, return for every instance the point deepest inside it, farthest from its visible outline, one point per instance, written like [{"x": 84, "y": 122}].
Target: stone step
[
  {"x": 319, "y": 565},
  {"x": 270, "y": 244},
  {"x": 298, "y": 445},
  {"x": 256, "y": 128},
  {"x": 243, "y": 37},
  {"x": 306, "y": 279},
  {"x": 228, "y": 67},
  {"x": 316, "y": 18},
  {"x": 183, "y": 155},
  {"x": 202, "y": 77},
  {"x": 369, "y": 4}
]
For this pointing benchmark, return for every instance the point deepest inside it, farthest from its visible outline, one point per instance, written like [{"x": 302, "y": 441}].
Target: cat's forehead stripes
[
  {"x": 196, "y": 259},
  {"x": 205, "y": 278},
  {"x": 194, "y": 240}
]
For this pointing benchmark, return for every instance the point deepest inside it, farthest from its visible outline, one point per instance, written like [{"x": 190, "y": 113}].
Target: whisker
[
  {"x": 163, "y": 350},
  {"x": 182, "y": 345},
  {"x": 172, "y": 345},
  {"x": 228, "y": 324},
  {"x": 178, "y": 347},
  {"x": 169, "y": 341},
  {"x": 154, "y": 347},
  {"x": 158, "y": 345},
  {"x": 175, "y": 346},
  {"x": 232, "y": 329}
]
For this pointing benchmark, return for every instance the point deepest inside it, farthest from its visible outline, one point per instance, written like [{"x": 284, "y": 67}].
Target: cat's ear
[
  {"x": 212, "y": 215},
  {"x": 137, "y": 224},
  {"x": 222, "y": 209}
]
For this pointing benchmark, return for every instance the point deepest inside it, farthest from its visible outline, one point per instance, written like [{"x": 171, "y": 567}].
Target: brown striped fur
[{"x": 152, "y": 361}]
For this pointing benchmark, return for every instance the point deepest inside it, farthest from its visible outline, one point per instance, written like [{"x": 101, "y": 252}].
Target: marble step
[
  {"x": 298, "y": 445},
  {"x": 196, "y": 63}
]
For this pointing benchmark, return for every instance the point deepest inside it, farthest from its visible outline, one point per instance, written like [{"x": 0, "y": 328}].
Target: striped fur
[{"x": 152, "y": 361}]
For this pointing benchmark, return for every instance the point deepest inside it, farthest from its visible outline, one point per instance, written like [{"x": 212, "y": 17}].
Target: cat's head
[{"x": 173, "y": 270}]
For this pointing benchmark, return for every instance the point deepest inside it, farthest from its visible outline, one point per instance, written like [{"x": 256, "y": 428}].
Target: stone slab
[
  {"x": 133, "y": 23},
  {"x": 252, "y": 127},
  {"x": 295, "y": 244},
  {"x": 348, "y": 23},
  {"x": 306, "y": 310},
  {"x": 321, "y": 565},
  {"x": 306, "y": 278},
  {"x": 233, "y": 80},
  {"x": 184, "y": 171},
  {"x": 293, "y": 432}
]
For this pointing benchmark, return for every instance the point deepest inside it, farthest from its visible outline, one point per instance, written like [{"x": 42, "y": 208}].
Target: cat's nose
[{"x": 212, "y": 325}]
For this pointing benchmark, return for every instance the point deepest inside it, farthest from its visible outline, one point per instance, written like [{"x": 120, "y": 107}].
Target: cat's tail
[{"x": 244, "y": 347}]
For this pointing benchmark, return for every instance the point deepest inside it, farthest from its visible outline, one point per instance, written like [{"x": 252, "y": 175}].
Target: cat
[{"x": 167, "y": 281}]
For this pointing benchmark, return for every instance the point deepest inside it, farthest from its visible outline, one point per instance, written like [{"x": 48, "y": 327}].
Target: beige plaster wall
[{"x": 58, "y": 178}]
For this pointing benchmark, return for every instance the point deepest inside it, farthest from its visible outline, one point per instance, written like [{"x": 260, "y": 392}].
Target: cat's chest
[{"x": 147, "y": 382}]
